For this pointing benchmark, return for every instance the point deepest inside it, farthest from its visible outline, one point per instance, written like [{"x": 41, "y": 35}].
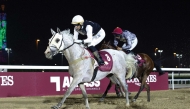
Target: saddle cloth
[
  {"x": 107, "y": 60},
  {"x": 141, "y": 61}
]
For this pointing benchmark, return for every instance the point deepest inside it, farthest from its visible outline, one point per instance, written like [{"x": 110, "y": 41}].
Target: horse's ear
[
  {"x": 53, "y": 32},
  {"x": 58, "y": 30}
]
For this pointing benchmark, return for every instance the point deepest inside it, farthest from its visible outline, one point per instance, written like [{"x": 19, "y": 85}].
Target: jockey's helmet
[
  {"x": 78, "y": 19},
  {"x": 117, "y": 30}
]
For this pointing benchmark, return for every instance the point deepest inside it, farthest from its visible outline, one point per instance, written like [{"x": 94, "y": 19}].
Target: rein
[
  {"x": 69, "y": 46},
  {"x": 76, "y": 60},
  {"x": 80, "y": 59},
  {"x": 108, "y": 46}
]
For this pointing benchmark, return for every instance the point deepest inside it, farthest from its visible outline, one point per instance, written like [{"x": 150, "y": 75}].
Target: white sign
[
  {"x": 7, "y": 80},
  {"x": 67, "y": 81},
  {"x": 150, "y": 78}
]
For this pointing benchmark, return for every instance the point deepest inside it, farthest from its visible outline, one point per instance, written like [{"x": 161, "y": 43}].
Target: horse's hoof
[
  {"x": 101, "y": 100},
  {"x": 118, "y": 95},
  {"x": 134, "y": 100},
  {"x": 127, "y": 105},
  {"x": 54, "y": 107}
]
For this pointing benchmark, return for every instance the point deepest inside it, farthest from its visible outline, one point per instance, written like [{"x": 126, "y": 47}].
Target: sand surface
[{"x": 170, "y": 99}]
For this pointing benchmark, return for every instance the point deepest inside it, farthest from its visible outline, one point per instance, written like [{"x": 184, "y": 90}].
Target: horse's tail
[{"x": 131, "y": 62}]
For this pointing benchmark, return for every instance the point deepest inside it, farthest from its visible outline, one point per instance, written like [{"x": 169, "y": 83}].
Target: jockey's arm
[
  {"x": 89, "y": 34},
  {"x": 115, "y": 43},
  {"x": 128, "y": 44}
]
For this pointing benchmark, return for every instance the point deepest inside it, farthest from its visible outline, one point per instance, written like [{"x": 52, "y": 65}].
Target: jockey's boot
[
  {"x": 97, "y": 55},
  {"x": 157, "y": 65},
  {"x": 98, "y": 58},
  {"x": 128, "y": 51}
]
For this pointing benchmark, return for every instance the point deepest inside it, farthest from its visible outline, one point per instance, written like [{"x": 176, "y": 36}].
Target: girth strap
[{"x": 94, "y": 74}]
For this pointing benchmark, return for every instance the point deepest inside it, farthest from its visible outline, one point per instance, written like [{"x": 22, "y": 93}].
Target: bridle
[
  {"x": 58, "y": 50},
  {"x": 59, "y": 46},
  {"x": 107, "y": 45}
]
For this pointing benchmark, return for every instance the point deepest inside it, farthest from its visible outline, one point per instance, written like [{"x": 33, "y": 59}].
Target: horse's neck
[{"x": 74, "y": 52}]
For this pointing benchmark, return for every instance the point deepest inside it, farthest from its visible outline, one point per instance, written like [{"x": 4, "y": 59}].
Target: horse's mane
[
  {"x": 67, "y": 33},
  {"x": 107, "y": 45}
]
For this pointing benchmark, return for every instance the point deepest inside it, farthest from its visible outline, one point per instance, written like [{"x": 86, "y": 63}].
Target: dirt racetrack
[{"x": 170, "y": 99}]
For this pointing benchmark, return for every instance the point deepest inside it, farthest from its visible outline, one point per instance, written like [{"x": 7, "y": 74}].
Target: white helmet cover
[{"x": 78, "y": 19}]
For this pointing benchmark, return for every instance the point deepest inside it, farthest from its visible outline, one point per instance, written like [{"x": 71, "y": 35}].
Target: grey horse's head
[
  {"x": 58, "y": 42},
  {"x": 55, "y": 44}
]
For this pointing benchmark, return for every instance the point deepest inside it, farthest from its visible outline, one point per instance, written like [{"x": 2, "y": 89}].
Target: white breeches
[{"x": 96, "y": 39}]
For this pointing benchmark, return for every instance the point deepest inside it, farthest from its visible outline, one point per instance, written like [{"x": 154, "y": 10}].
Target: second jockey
[{"x": 124, "y": 40}]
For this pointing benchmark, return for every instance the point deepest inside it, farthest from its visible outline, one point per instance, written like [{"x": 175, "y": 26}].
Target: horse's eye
[{"x": 57, "y": 40}]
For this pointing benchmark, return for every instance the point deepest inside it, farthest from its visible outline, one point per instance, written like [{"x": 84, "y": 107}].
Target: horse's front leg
[{"x": 74, "y": 83}]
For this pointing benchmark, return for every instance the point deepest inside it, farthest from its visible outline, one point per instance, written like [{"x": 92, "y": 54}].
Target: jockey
[
  {"x": 95, "y": 34},
  {"x": 124, "y": 40}
]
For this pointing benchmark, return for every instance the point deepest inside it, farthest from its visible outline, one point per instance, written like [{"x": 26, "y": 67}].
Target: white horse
[{"x": 81, "y": 64}]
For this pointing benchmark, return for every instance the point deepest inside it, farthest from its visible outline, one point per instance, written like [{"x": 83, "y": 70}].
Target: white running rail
[{"x": 67, "y": 67}]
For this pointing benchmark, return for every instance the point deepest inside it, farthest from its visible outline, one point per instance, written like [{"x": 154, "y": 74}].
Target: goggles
[
  {"x": 117, "y": 35},
  {"x": 76, "y": 24}
]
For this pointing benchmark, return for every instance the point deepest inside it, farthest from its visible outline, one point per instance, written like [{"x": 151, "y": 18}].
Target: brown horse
[{"x": 143, "y": 72}]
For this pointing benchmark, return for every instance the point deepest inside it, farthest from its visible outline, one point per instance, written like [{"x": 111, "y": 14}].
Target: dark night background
[{"x": 157, "y": 24}]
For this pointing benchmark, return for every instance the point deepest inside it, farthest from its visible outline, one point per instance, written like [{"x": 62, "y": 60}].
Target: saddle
[{"x": 107, "y": 60}]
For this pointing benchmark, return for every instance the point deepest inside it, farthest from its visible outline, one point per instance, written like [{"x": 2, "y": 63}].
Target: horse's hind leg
[
  {"x": 143, "y": 84},
  {"x": 125, "y": 88},
  {"x": 148, "y": 91},
  {"x": 140, "y": 89},
  {"x": 117, "y": 90},
  {"x": 118, "y": 87},
  {"x": 82, "y": 87},
  {"x": 107, "y": 89}
]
